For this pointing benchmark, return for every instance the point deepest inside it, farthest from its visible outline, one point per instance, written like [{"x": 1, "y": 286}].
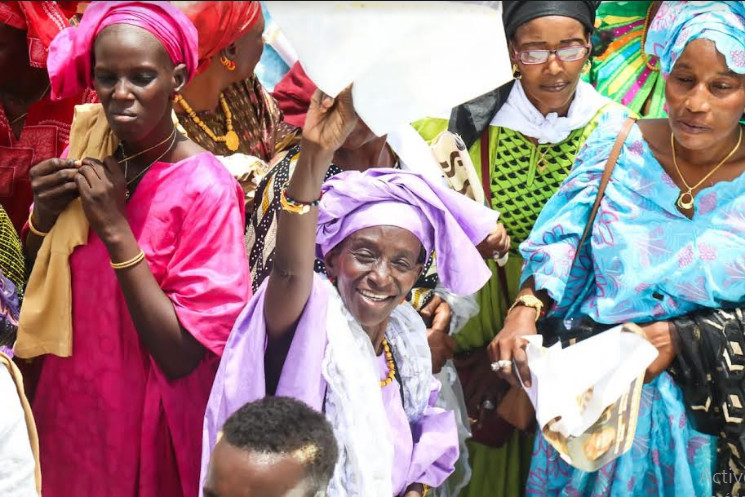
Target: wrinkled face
[
  {"x": 13, "y": 52},
  {"x": 135, "y": 80},
  {"x": 705, "y": 99},
  {"x": 248, "y": 50},
  {"x": 375, "y": 269},
  {"x": 550, "y": 86},
  {"x": 234, "y": 472}
]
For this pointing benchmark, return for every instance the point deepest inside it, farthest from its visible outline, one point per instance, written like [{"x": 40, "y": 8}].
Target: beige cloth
[
  {"x": 45, "y": 324},
  {"x": 28, "y": 416},
  {"x": 450, "y": 152}
]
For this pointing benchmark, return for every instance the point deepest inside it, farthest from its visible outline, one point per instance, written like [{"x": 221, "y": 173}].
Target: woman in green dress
[
  {"x": 530, "y": 133},
  {"x": 620, "y": 69}
]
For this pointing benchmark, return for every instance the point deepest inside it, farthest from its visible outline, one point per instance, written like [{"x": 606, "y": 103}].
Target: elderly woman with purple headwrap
[
  {"x": 349, "y": 345},
  {"x": 139, "y": 264},
  {"x": 666, "y": 249}
]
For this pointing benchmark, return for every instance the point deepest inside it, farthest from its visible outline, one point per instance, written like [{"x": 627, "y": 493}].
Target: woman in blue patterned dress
[{"x": 668, "y": 241}]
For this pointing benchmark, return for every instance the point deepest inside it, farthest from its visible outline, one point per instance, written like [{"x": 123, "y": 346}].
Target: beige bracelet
[
  {"x": 33, "y": 229},
  {"x": 132, "y": 262}
]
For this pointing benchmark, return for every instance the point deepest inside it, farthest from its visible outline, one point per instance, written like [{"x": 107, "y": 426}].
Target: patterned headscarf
[
  {"x": 70, "y": 58},
  {"x": 678, "y": 23},
  {"x": 219, "y": 24},
  {"x": 41, "y": 21}
]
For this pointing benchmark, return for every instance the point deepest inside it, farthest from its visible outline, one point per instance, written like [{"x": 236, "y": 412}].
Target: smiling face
[
  {"x": 375, "y": 269},
  {"x": 705, "y": 98},
  {"x": 550, "y": 86},
  {"x": 135, "y": 79}
]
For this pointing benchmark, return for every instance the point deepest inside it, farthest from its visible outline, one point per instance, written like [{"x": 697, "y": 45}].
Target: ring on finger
[{"x": 501, "y": 364}]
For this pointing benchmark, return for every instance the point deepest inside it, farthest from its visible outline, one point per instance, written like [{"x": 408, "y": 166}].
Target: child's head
[{"x": 274, "y": 447}]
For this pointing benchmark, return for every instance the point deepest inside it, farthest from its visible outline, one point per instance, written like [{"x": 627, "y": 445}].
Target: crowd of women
[{"x": 177, "y": 246}]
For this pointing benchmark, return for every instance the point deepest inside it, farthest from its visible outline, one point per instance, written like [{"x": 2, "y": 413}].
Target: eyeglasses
[{"x": 566, "y": 54}]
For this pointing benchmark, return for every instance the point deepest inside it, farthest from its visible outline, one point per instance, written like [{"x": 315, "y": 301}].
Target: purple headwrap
[
  {"x": 443, "y": 220},
  {"x": 69, "y": 61}
]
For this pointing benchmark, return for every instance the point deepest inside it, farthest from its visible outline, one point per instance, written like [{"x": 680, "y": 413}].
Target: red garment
[
  {"x": 42, "y": 21},
  {"x": 46, "y": 130},
  {"x": 110, "y": 422},
  {"x": 45, "y": 134},
  {"x": 293, "y": 94},
  {"x": 219, "y": 24}
]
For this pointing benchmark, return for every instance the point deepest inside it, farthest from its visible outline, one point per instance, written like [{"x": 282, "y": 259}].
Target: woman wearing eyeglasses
[{"x": 531, "y": 131}]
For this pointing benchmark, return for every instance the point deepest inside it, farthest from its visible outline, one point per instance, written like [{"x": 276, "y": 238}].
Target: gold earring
[
  {"x": 229, "y": 64},
  {"x": 516, "y": 72}
]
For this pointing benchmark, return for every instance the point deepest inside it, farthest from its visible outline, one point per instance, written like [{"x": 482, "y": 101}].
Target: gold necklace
[
  {"x": 129, "y": 158},
  {"x": 127, "y": 192},
  {"x": 230, "y": 139},
  {"x": 391, "y": 365},
  {"x": 686, "y": 199}
]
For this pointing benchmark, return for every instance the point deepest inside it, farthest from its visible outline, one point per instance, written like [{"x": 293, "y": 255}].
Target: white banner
[{"x": 407, "y": 60}]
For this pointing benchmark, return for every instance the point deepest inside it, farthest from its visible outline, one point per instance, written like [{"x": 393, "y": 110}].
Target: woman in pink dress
[{"x": 155, "y": 284}]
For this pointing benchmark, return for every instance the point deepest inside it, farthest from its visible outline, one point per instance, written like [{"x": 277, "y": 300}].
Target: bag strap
[
  {"x": 604, "y": 180},
  {"x": 486, "y": 185}
]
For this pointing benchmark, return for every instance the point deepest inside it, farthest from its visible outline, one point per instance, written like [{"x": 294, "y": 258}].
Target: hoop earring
[
  {"x": 229, "y": 64},
  {"x": 516, "y": 72}
]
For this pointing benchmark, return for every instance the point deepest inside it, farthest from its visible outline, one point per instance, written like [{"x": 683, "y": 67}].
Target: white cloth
[
  {"x": 451, "y": 398},
  {"x": 519, "y": 114},
  {"x": 361, "y": 425},
  {"x": 414, "y": 153},
  {"x": 17, "y": 465}
]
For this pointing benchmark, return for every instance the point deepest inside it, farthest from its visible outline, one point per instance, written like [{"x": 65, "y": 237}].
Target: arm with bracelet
[{"x": 329, "y": 122}]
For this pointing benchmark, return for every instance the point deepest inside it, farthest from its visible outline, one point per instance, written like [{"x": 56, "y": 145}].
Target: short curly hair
[{"x": 282, "y": 425}]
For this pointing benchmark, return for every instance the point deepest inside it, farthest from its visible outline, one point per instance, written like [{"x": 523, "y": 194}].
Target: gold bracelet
[
  {"x": 33, "y": 229},
  {"x": 132, "y": 262},
  {"x": 425, "y": 489},
  {"x": 529, "y": 301}
]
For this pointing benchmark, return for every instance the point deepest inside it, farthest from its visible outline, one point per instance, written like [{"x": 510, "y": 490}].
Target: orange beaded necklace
[{"x": 391, "y": 365}]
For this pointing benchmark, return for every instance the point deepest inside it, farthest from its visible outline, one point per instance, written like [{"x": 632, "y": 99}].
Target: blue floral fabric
[{"x": 644, "y": 261}]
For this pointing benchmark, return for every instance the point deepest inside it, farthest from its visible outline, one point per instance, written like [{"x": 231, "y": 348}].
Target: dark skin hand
[
  {"x": 133, "y": 74},
  {"x": 441, "y": 344}
]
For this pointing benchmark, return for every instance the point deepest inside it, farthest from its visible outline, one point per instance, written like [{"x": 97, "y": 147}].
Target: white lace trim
[{"x": 354, "y": 405}]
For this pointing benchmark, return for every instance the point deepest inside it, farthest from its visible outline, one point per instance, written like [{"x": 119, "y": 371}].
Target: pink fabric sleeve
[{"x": 208, "y": 279}]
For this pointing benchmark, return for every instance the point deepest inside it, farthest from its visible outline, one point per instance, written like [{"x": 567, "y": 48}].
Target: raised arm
[{"x": 329, "y": 122}]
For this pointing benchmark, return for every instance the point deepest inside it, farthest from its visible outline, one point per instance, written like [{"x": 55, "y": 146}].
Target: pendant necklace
[
  {"x": 686, "y": 199},
  {"x": 126, "y": 159}
]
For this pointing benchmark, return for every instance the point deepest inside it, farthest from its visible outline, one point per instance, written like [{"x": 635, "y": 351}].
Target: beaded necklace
[
  {"x": 391, "y": 365},
  {"x": 230, "y": 138}
]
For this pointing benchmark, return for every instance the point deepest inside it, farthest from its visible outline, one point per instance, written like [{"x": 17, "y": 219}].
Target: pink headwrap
[
  {"x": 69, "y": 61},
  {"x": 446, "y": 222}
]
